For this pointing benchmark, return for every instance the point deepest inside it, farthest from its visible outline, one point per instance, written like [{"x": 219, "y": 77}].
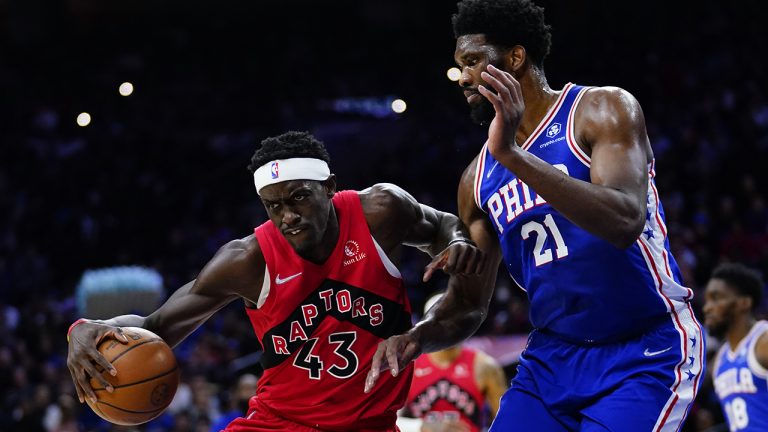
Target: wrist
[
  {"x": 460, "y": 240},
  {"x": 75, "y": 324}
]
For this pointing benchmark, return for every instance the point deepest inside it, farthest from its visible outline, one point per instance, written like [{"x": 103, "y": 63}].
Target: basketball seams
[
  {"x": 114, "y": 360},
  {"x": 175, "y": 368},
  {"x": 130, "y": 411}
]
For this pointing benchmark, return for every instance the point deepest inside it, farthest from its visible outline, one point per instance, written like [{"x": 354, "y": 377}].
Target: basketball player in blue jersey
[
  {"x": 563, "y": 191},
  {"x": 741, "y": 366}
]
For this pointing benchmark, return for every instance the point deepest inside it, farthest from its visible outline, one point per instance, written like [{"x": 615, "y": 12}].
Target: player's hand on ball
[
  {"x": 83, "y": 356},
  {"x": 459, "y": 258},
  {"x": 394, "y": 354}
]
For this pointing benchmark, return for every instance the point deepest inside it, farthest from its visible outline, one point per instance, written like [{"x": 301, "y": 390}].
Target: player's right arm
[
  {"x": 464, "y": 299},
  {"x": 237, "y": 270},
  {"x": 463, "y": 307}
]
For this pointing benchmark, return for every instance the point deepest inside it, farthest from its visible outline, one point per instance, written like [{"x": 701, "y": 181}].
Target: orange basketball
[{"x": 146, "y": 380}]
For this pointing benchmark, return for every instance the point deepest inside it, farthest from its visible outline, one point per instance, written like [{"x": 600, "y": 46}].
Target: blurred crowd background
[{"x": 158, "y": 178}]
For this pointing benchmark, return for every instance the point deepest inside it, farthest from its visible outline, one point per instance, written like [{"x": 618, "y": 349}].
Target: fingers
[
  {"x": 391, "y": 355},
  {"x": 436, "y": 263},
  {"x": 463, "y": 259},
  {"x": 373, "y": 374},
  {"x": 508, "y": 91},
  {"x": 118, "y": 334},
  {"x": 78, "y": 389},
  {"x": 91, "y": 370}
]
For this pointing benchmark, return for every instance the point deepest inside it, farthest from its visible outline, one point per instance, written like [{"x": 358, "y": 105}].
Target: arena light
[
  {"x": 399, "y": 106},
  {"x": 126, "y": 89},
  {"x": 83, "y": 119},
  {"x": 453, "y": 74}
]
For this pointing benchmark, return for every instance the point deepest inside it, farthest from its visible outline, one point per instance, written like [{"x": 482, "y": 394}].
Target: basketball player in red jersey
[
  {"x": 453, "y": 388},
  {"x": 320, "y": 289}
]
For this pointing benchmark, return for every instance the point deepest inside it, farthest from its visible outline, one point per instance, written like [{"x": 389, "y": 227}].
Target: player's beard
[
  {"x": 720, "y": 328},
  {"x": 482, "y": 112}
]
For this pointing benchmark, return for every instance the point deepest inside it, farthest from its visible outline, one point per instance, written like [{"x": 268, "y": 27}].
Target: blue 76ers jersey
[
  {"x": 580, "y": 286},
  {"x": 741, "y": 383}
]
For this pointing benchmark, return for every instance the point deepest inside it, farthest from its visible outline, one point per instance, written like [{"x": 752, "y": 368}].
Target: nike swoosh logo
[
  {"x": 654, "y": 353},
  {"x": 491, "y": 170},
  {"x": 282, "y": 281}
]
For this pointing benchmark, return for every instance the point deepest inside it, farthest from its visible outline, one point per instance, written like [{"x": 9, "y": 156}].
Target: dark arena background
[{"x": 126, "y": 128}]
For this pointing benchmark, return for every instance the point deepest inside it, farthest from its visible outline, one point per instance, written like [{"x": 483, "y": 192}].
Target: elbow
[{"x": 627, "y": 231}]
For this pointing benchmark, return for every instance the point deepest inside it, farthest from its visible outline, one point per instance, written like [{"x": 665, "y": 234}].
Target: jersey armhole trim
[
  {"x": 265, "y": 288},
  {"x": 752, "y": 362},
  {"x": 479, "y": 170},
  {"x": 570, "y": 135},
  {"x": 388, "y": 264}
]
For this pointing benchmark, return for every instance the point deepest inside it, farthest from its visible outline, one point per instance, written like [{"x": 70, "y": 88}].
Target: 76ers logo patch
[
  {"x": 273, "y": 170},
  {"x": 352, "y": 250}
]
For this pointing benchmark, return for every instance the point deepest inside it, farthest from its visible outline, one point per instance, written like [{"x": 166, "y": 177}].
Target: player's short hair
[
  {"x": 291, "y": 144},
  {"x": 744, "y": 280},
  {"x": 506, "y": 23}
]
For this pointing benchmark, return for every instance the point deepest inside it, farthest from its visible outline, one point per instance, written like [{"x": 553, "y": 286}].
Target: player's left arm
[
  {"x": 610, "y": 128},
  {"x": 395, "y": 217},
  {"x": 761, "y": 350},
  {"x": 491, "y": 380}
]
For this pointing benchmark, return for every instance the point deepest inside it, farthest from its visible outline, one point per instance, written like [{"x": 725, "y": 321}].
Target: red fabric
[
  {"x": 451, "y": 390},
  {"x": 261, "y": 418},
  {"x": 320, "y": 329}
]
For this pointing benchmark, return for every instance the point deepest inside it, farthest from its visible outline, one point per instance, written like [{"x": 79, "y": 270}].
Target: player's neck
[
  {"x": 445, "y": 357},
  {"x": 538, "y": 98},
  {"x": 739, "y": 330}
]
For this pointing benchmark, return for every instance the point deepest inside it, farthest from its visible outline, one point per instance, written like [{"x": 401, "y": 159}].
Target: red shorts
[{"x": 261, "y": 418}]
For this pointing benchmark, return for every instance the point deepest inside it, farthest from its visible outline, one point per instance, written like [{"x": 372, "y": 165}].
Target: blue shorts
[{"x": 643, "y": 384}]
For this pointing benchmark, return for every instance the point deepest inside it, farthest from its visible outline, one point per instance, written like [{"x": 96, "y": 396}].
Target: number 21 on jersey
[{"x": 542, "y": 255}]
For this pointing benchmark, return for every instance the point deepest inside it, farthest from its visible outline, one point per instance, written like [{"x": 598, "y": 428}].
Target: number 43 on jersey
[{"x": 344, "y": 365}]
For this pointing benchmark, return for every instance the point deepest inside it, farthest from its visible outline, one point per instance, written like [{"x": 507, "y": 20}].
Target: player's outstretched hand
[
  {"x": 458, "y": 258},
  {"x": 83, "y": 356},
  {"x": 394, "y": 354}
]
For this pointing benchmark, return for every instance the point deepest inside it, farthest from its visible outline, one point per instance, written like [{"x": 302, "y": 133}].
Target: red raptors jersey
[
  {"x": 452, "y": 391},
  {"x": 320, "y": 325}
]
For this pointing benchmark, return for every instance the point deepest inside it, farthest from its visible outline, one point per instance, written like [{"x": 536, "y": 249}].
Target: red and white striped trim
[
  {"x": 547, "y": 118},
  {"x": 570, "y": 135},
  {"x": 683, "y": 391},
  {"x": 479, "y": 175}
]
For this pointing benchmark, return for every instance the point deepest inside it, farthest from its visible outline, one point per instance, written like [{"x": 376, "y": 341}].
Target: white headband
[{"x": 290, "y": 169}]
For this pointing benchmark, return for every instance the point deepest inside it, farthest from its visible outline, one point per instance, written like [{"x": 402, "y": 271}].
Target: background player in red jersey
[
  {"x": 454, "y": 389},
  {"x": 320, "y": 289}
]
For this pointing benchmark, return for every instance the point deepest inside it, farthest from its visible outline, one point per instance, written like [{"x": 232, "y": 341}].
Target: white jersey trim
[
  {"x": 479, "y": 176},
  {"x": 570, "y": 135},
  {"x": 547, "y": 118},
  {"x": 391, "y": 268},
  {"x": 265, "y": 288}
]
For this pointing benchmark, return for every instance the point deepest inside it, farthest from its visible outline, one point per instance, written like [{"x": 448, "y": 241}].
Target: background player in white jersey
[
  {"x": 740, "y": 371},
  {"x": 563, "y": 190}
]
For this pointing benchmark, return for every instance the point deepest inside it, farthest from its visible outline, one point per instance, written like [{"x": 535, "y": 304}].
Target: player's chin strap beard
[{"x": 282, "y": 170}]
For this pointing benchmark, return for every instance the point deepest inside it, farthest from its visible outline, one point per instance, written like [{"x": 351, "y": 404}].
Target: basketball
[{"x": 146, "y": 381}]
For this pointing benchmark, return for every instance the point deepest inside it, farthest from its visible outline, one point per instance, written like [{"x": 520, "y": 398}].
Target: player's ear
[
  {"x": 515, "y": 59},
  {"x": 745, "y": 303},
  {"x": 330, "y": 186}
]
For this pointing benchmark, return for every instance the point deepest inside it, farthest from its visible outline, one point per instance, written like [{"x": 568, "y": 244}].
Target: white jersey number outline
[{"x": 541, "y": 255}]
